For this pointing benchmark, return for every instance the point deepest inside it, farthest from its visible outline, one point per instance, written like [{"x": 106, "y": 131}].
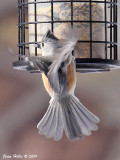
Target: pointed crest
[{"x": 49, "y": 35}]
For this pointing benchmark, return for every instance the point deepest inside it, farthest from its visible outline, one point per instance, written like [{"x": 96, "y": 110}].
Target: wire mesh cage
[{"x": 96, "y": 22}]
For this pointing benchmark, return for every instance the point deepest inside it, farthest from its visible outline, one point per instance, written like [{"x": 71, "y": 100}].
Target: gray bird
[{"x": 58, "y": 69}]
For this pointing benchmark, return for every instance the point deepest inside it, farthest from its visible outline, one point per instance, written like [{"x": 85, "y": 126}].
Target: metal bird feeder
[{"x": 96, "y": 22}]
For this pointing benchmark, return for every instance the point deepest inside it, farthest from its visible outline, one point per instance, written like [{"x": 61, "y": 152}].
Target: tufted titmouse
[{"x": 65, "y": 111}]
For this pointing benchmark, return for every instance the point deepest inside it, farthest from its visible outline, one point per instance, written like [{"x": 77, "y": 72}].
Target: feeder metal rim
[
  {"x": 97, "y": 62},
  {"x": 96, "y": 65}
]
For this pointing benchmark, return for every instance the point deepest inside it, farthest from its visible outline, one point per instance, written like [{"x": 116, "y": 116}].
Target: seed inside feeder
[{"x": 62, "y": 12}]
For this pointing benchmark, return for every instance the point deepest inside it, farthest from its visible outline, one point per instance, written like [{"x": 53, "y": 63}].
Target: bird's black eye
[{"x": 42, "y": 44}]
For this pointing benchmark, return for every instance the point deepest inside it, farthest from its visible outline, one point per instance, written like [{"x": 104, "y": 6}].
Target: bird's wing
[
  {"x": 41, "y": 63},
  {"x": 62, "y": 58}
]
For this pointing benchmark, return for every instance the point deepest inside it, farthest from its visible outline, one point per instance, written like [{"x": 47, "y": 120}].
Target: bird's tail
[{"x": 70, "y": 115}]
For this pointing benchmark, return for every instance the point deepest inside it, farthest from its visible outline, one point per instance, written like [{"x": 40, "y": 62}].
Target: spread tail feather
[{"x": 69, "y": 115}]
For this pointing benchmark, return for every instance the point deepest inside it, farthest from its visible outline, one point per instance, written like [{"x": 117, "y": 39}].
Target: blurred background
[{"x": 23, "y": 102}]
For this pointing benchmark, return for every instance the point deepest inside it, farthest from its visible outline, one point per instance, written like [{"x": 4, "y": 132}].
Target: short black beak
[{"x": 39, "y": 45}]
